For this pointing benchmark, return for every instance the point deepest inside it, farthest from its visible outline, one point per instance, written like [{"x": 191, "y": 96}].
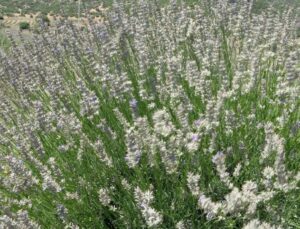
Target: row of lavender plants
[{"x": 176, "y": 117}]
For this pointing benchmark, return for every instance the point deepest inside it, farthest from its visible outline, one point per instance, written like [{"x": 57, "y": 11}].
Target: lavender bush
[{"x": 175, "y": 117}]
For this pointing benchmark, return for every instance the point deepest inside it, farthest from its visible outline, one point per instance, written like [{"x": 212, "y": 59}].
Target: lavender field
[{"x": 176, "y": 116}]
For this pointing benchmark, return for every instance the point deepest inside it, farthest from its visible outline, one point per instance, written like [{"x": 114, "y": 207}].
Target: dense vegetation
[
  {"x": 175, "y": 117},
  {"x": 67, "y": 7},
  {"x": 70, "y": 7}
]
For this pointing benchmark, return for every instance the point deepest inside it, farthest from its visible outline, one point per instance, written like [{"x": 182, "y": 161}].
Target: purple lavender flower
[
  {"x": 195, "y": 137},
  {"x": 197, "y": 122},
  {"x": 217, "y": 157},
  {"x": 133, "y": 103}
]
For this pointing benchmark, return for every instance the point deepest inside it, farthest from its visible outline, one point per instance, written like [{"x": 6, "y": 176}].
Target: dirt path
[
  {"x": 15, "y": 19},
  {"x": 11, "y": 23}
]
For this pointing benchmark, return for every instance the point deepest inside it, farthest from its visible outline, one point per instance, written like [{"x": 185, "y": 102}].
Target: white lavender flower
[
  {"x": 162, "y": 123},
  {"x": 134, "y": 152},
  {"x": 103, "y": 195},
  {"x": 180, "y": 225},
  {"x": 193, "y": 185},
  {"x": 144, "y": 199},
  {"x": 62, "y": 211},
  {"x": 256, "y": 224}
]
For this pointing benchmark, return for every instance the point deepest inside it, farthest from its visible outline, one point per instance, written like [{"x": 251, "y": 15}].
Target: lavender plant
[{"x": 174, "y": 117}]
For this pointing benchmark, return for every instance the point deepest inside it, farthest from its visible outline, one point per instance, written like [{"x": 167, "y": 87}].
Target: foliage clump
[{"x": 24, "y": 25}]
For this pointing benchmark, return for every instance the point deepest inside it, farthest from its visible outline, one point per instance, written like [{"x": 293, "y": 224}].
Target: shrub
[
  {"x": 158, "y": 118},
  {"x": 24, "y": 25}
]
